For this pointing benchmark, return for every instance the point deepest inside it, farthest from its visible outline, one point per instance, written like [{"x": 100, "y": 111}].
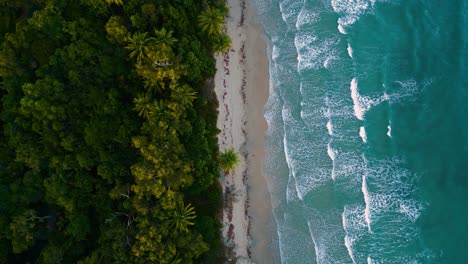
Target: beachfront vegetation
[
  {"x": 222, "y": 44},
  {"x": 228, "y": 160},
  {"x": 212, "y": 20},
  {"x": 108, "y": 149}
]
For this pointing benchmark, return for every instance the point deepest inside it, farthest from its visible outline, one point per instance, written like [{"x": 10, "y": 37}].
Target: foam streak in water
[
  {"x": 389, "y": 131},
  {"x": 341, "y": 29},
  {"x": 350, "y": 51},
  {"x": 291, "y": 169},
  {"x": 358, "y": 110},
  {"x": 331, "y": 154},
  {"x": 326, "y": 63},
  {"x": 330, "y": 128},
  {"x": 328, "y": 115},
  {"x": 362, "y": 134},
  {"x": 347, "y": 240},
  {"x": 350, "y": 10},
  {"x": 367, "y": 201},
  {"x": 318, "y": 254}
]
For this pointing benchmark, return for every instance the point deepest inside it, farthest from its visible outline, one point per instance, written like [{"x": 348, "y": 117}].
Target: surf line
[
  {"x": 291, "y": 167},
  {"x": 347, "y": 240},
  {"x": 317, "y": 251},
  {"x": 331, "y": 154},
  {"x": 358, "y": 109},
  {"x": 367, "y": 199},
  {"x": 363, "y": 134},
  {"x": 330, "y": 151},
  {"x": 350, "y": 51},
  {"x": 389, "y": 131},
  {"x": 328, "y": 116},
  {"x": 341, "y": 29},
  {"x": 367, "y": 212}
]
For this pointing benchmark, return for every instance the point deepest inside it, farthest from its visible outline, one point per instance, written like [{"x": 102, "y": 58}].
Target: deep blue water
[{"x": 368, "y": 127}]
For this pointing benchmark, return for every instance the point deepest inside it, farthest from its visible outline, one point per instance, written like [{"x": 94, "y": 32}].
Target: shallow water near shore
[{"x": 367, "y": 131}]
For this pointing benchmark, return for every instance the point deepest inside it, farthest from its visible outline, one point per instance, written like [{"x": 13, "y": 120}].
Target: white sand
[{"x": 241, "y": 86}]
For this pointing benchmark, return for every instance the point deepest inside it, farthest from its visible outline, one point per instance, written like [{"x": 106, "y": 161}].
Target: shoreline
[{"x": 241, "y": 87}]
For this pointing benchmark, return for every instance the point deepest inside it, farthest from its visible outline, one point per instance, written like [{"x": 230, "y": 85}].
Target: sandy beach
[{"x": 241, "y": 86}]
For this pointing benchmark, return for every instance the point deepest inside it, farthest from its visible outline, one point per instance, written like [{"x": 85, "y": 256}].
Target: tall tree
[
  {"x": 211, "y": 21},
  {"x": 138, "y": 45},
  {"x": 143, "y": 105},
  {"x": 228, "y": 160},
  {"x": 182, "y": 218},
  {"x": 116, "y": 32},
  {"x": 222, "y": 44},
  {"x": 117, "y": 2},
  {"x": 184, "y": 95},
  {"x": 164, "y": 38}
]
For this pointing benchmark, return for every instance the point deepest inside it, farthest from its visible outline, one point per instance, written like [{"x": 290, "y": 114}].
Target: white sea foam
[
  {"x": 348, "y": 246},
  {"x": 314, "y": 52},
  {"x": 362, "y": 134},
  {"x": 389, "y": 127},
  {"x": 331, "y": 154},
  {"x": 367, "y": 102},
  {"x": 350, "y": 51},
  {"x": 346, "y": 166},
  {"x": 350, "y": 10},
  {"x": 292, "y": 192},
  {"x": 330, "y": 128},
  {"x": 290, "y": 10},
  {"x": 369, "y": 260},
  {"x": 347, "y": 240},
  {"x": 341, "y": 29},
  {"x": 392, "y": 187},
  {"x": 306, "y": 17},
  {"x": 326, "y": 63},
  {"x": 385, "y": 96},
  {"x": 300, "y": 152},
  {"x": 358, "y": 110},
  {"x": 367, "y": 201},
  {"x": 280, "y": 244},
  {"x": 333, "y": 175},
  {"x": 290, "y": 165},
  {"x": 275, "y": 53},
  {"x": 406, "y": 90},
  {"x": 318, "y": 253},
  {"x": 361, "y": 104},
  {"x": 328, "y": 116},
  {"x": 411, "y": 209},
  {"x": 343, "y": 220}
]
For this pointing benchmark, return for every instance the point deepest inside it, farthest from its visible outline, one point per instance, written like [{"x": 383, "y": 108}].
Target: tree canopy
[
  {"x": 211, "y": 20},
  {"x": 108, "y": 150},
  {"x": 228, "y": 160}
]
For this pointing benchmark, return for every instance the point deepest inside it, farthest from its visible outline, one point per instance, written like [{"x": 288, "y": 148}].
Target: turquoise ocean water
[{"x": 368, "y": 127}]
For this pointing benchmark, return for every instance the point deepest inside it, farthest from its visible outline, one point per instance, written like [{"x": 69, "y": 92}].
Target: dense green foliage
[
  {"x": 228, "y": 160},
  {"x": 108, "y": 147}
]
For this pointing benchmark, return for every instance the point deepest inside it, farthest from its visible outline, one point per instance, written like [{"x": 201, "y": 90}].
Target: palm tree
[
  {"x": 164, "y": 38},
  {"x": 117, "y": 2},
  {"x": 143, "y": 105},
  {"x": 211, "y": 20},
  {"x": 138, "y": 45},
  {"x": 182, "y": 218},
  {"x": 184, "y": 95},
  {"x": 228, "y": 160},
  {"x": 176, "y": 260},
  {"x": 222, "y": 44}
]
